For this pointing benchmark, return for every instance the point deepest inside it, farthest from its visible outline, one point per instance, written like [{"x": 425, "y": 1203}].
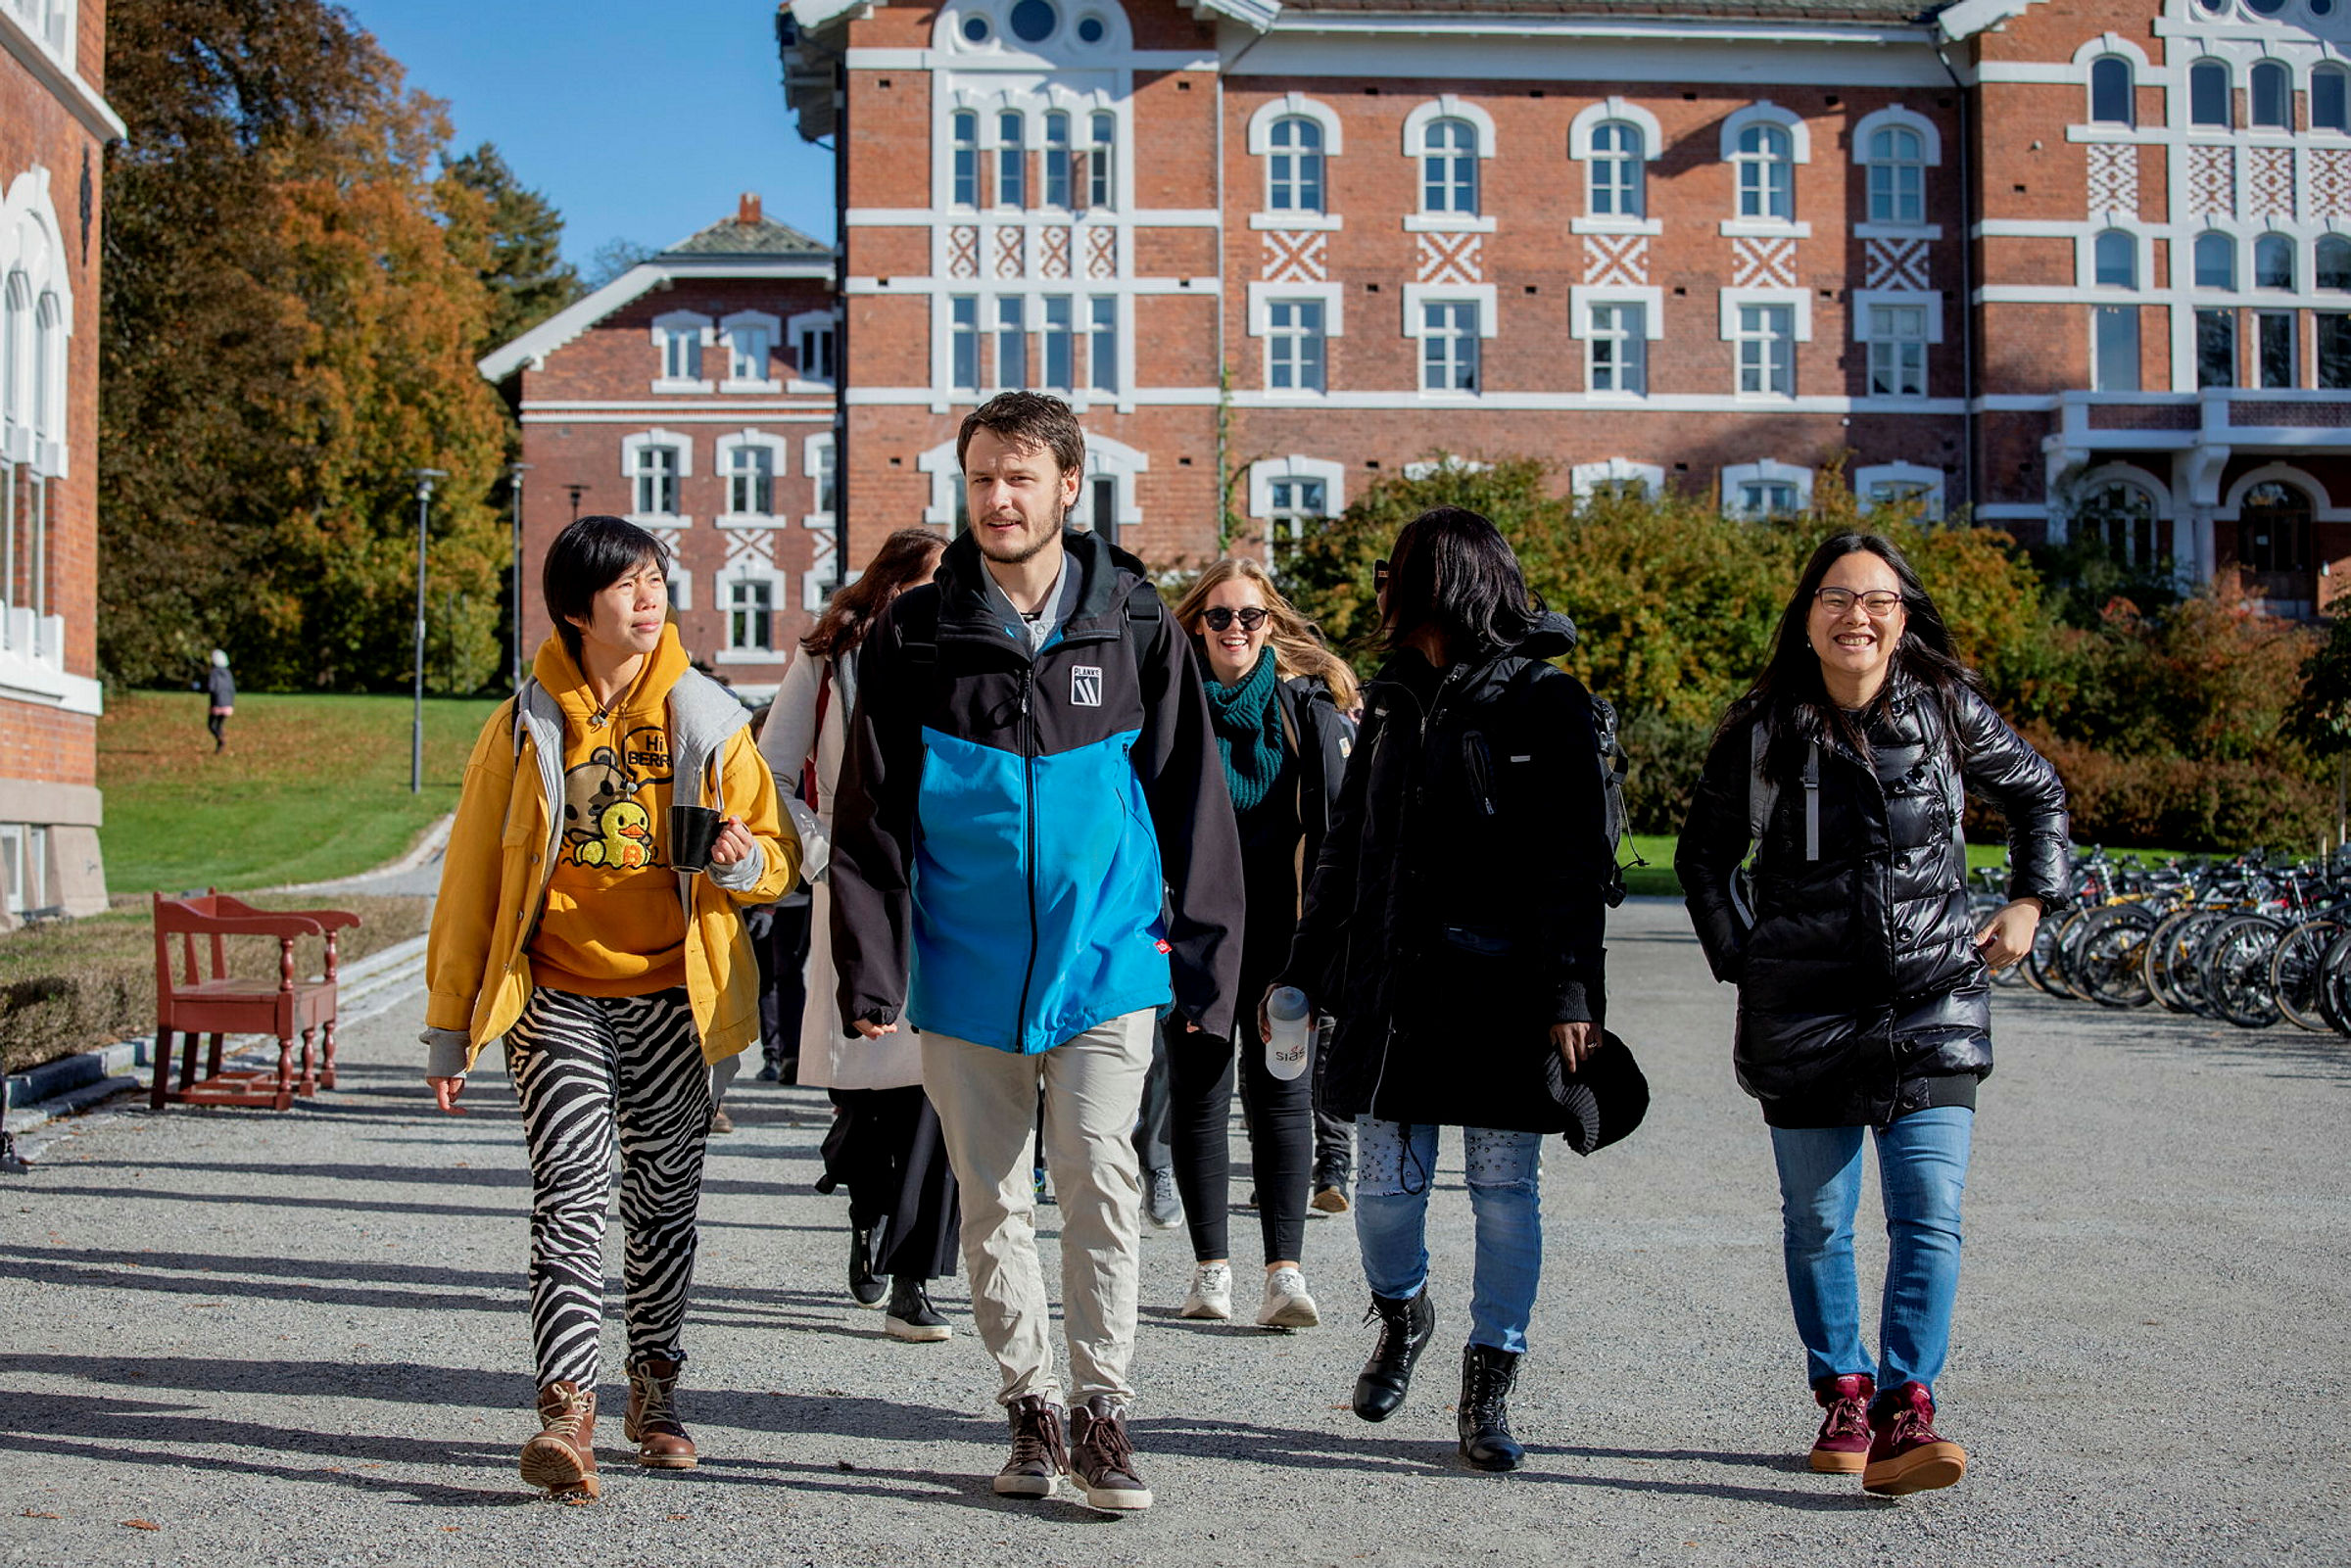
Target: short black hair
[
  {"x": 589, "y": 557},
  {"x": 1451, "y": 568}
]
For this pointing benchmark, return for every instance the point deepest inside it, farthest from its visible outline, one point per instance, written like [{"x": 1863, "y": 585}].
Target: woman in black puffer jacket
[
  {"x": 1864, "y": 995},
  {"x": 1454, "y": 926}
]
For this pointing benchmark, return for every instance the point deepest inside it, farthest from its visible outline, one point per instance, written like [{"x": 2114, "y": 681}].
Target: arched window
[
  {"x": 2333, "y": 271},
  {"x": 1897, "y": 177},
  {"x": 963, "y": 136},
  {"x": 1012, "y": 160},
  {"x": 1449, "y": 167},
  {"x": 2216, "y": 261},
  {"x": 2120, "y": 518},
  {"x": 2330, "y": 99},
  {"x": 1102, "y": 162},
  {"x": 16, "y": 346},
  {"x": 1058, "y": 168},
  {"x": 2208, "y": 94},
  {"x": 2273, "y": 96},
  {"x": 48, "y": 343},
  {"x": 2110, "y": 92},
  {"x": 1765, "y": 160},
  {"x": 2273, "y": 262},
  {"x": 2116, "y": 260},
  {"x": 1294, "y": 165},
  {"x": 2272, "y": 537},
  {"x": 1616, "y": 170}
]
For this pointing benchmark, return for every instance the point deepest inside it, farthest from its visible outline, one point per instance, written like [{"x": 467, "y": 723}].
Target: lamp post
[
  {"x": 424, "y": 506},
  {"x": 516, "y": 471},
  {"x": 576, "y": 490}
]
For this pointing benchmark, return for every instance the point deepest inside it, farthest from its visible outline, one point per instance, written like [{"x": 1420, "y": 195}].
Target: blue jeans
[
  {"x": 1396, "y": 1166},
  {"x": 1922, "y": 1168}
]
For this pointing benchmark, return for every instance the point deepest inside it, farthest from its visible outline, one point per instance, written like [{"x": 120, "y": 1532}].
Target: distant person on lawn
[
  {"x": 221, "y": 692},
  {"x": 618, "y": 980}
]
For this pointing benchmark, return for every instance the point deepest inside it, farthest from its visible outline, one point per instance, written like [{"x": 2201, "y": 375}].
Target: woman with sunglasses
[
  {"x": 1864, "y": 997},
  {"x": 1275, "y": 696},
  {"x": 1454, "y": 926}
]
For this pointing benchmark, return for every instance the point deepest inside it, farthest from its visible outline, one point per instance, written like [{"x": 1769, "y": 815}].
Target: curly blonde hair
[{"x": 1296, "y": 641}]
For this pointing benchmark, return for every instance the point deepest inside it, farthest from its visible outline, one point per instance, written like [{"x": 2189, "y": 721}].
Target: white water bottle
[{"x": 1292, "y": 1024}]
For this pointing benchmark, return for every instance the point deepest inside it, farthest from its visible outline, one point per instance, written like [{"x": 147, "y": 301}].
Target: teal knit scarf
[{"x": 1248, "y": 725}]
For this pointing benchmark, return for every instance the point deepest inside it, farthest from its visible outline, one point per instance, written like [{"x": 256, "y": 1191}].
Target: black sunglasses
[{"x": 1220, "y": 618}]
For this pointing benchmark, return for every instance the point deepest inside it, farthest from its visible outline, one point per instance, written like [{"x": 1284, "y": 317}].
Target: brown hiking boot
[
  {"x": 1102, "y": 1461},
  {"x": 652, "y": 1419},
  {"x": 1038, "y": 1454},
  {"x": 1904, "y": 1453},
  {"x": 562, "y": 1458},
  {"x": 1842, "y": 1446}
]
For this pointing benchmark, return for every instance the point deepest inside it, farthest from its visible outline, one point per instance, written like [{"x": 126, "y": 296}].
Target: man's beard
[{"x": 1023, "y": 553}]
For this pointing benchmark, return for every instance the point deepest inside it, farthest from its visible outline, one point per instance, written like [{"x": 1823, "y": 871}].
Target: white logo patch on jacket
[{"x": 1086, "y": 686}]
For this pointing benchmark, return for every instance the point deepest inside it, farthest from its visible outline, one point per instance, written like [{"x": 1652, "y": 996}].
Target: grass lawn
[
  {"x": 1658, "y": 849},
  {"x": 311, "y": 788}
]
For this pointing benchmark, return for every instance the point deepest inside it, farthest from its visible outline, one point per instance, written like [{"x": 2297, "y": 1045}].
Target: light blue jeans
[
  {"x": 1922, "y": 1169},
  {"x": 1395, "y": 1168}
]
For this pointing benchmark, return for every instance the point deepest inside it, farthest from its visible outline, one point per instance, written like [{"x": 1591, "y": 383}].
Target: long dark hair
[
  {"x": 907, "y": 556},
  {"x": 1452, "y": 569},
  {"x": 1793, "y": 699}
]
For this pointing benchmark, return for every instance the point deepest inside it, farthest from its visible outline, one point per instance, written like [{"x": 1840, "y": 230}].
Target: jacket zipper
[{"x": 1029, "y": 809}]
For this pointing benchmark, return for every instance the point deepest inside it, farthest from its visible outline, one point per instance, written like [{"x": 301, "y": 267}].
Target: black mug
[{"x": 693, "y": 830}]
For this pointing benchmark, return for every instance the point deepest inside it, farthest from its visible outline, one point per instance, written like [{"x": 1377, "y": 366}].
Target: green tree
[{"x": 521, "y": 231}]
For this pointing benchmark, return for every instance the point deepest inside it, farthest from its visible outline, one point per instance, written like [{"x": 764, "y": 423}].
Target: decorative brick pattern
[
  {"x": 1053, "y": 259},
  {"x": 1296, "y": 258},
  {"x": 1008, "y": 252},
  {"x": 752, "y": 547},
  {"x": 1895, "y": 264},
  {"x": 2270, "y": 183},
  {"x": 1617, "y": 261},
  {"x": 1102, "y": 253},
  {"x": 1758, "y": 263},
  {"x": 1451, "y": 258},
  {"x": 2212, "y": 180},
  {"x": 963, "y": 251},
  {"x": 2330, "y": 190},
  {"x": 2113, "y": 179}
]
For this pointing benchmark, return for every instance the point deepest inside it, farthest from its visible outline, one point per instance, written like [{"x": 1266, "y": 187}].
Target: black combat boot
[
  {"x": 1405, "y": 1328},
  {"x": 1485, "y": 1410}
]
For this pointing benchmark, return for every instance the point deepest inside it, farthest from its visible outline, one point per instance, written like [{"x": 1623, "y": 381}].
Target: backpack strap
[{"x": 1762, "y": 794}]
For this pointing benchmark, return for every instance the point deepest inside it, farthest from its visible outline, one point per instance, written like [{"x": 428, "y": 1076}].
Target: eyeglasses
[
  {"x": 1220, "y": 618},
  {"x": 1379, "y": 577},
  {"x": 1878, "y": 604}
]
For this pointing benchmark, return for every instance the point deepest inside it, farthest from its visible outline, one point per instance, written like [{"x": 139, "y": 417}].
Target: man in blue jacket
[{"x": 1033, "y": 856}]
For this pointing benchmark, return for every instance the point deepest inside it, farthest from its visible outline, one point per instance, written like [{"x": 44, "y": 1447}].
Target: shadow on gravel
[
  {"x": 2282, "y": 1051},
  {"x": 273, "y": 1200}
]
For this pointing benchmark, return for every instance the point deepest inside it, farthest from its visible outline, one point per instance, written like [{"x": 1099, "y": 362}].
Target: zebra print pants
[{"x": 589, "y": 1067}]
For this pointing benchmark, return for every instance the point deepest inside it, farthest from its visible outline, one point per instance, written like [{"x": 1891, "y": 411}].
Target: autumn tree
[
  {"x": 295, "y": 294},
  {"x": 522, "y": 235}
]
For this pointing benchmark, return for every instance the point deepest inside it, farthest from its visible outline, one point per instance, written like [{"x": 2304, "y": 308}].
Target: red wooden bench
[{"x": 191, "y": 1003}]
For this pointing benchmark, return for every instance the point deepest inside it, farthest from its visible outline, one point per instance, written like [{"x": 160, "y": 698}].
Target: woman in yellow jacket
[{"x": 585, "y": 925}]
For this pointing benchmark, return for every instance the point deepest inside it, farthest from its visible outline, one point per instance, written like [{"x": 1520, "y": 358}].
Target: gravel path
[{"x": 299, "y": 1339}]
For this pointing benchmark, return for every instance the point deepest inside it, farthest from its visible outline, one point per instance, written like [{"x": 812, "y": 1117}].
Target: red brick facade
[{"x": 54, "y": 126}]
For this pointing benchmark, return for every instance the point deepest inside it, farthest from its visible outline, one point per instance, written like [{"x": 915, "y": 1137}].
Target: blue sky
[{"x": 639, "y": 122}]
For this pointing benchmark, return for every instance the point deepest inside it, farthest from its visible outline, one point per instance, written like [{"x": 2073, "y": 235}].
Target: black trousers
[
  {"x": 781, "y": 944},
  {"x": 885, "y": 1145},
  {"x": 1151, "y": 1147},
  {"x": 1201, "y": 1074}
]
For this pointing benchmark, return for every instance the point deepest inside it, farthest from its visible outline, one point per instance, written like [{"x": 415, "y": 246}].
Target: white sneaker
[
  {"x": 1212, "y": 1293},
  {"x": 1286, "y": 1304}
]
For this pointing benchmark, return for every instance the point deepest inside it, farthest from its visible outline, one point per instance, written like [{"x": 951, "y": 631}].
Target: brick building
[
  {"x": 2075, "y": 265},
  {"x": 694, "y": 394},
  {"x": 54, "y": 127}
]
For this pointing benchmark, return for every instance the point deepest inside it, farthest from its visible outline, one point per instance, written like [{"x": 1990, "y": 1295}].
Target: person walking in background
[
  {"x": 1864, "y": 994},
  {"x": 576, "y": 922},
  {"x": 1453, "y": 926},
  {"x": 1031, "y": 783},
  {"x": 220, "y": 699},
  {"x": 885, "y": 1144},
  {"x": 1271, "y": 685}
]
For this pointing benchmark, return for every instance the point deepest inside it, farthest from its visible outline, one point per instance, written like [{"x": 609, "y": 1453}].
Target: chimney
[{"x": 747, "y": 211}]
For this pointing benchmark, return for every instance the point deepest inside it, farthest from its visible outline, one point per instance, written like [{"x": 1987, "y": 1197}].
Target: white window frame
[
  {"x": 1765, "y": 472},
  {"x": 1930, "y": 480},
  {"x": 816, "y": 454},
  {"x": 1331, "y": 474},
  {"x": 2142, "y": 260},
  {"x": 1799, "y": 153},
  {"x": 1799, "y": 304},
  {"x": 671, "y": 322},
  {"x": 1930, "y": 157},
  {"x": 1416, "y": 147},
  {"x": 1582, "y": 299},
  {"x": 1866, "y": 301},
  {"x": 1263, "y": 297},
  {"x": 630, "y": 445},
  {"x": 728, "y": 325},
  {"x": 1580, "y": 133},
  {"x": 1295, "y": 106},
  {"x": 778, "y": 449},
  {"x": 778, "y": 584},
  {"x": 1089, "y": 328},
  {"x": 1417, "y": 296},
  {"x": 799, "y": 325},
  {"x": 1584, "y": 478}
]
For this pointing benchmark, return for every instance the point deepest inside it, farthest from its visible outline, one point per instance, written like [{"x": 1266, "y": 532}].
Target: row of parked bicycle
[{"x": 2235, "y": 939}]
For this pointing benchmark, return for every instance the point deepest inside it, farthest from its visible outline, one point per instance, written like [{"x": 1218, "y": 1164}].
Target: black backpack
[{"x": 1615, "y": 826}]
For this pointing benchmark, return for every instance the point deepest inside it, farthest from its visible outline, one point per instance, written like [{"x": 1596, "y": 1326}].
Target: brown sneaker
[
  {"x": 1102, "y": 1461},
  {"x": 1842, "y": 1446},
  {"x": 1905, "y": 1454},
  {"x": 652, "y": 1419},
  {"x": 562, "y": 1458},
  {"x": 1038, "y": 1454}
]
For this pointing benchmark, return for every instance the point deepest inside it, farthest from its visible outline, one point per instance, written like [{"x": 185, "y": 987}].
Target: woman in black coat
[
  {"x": 1864, "y": 996},
  {"x": 1454, "y": 927}
]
